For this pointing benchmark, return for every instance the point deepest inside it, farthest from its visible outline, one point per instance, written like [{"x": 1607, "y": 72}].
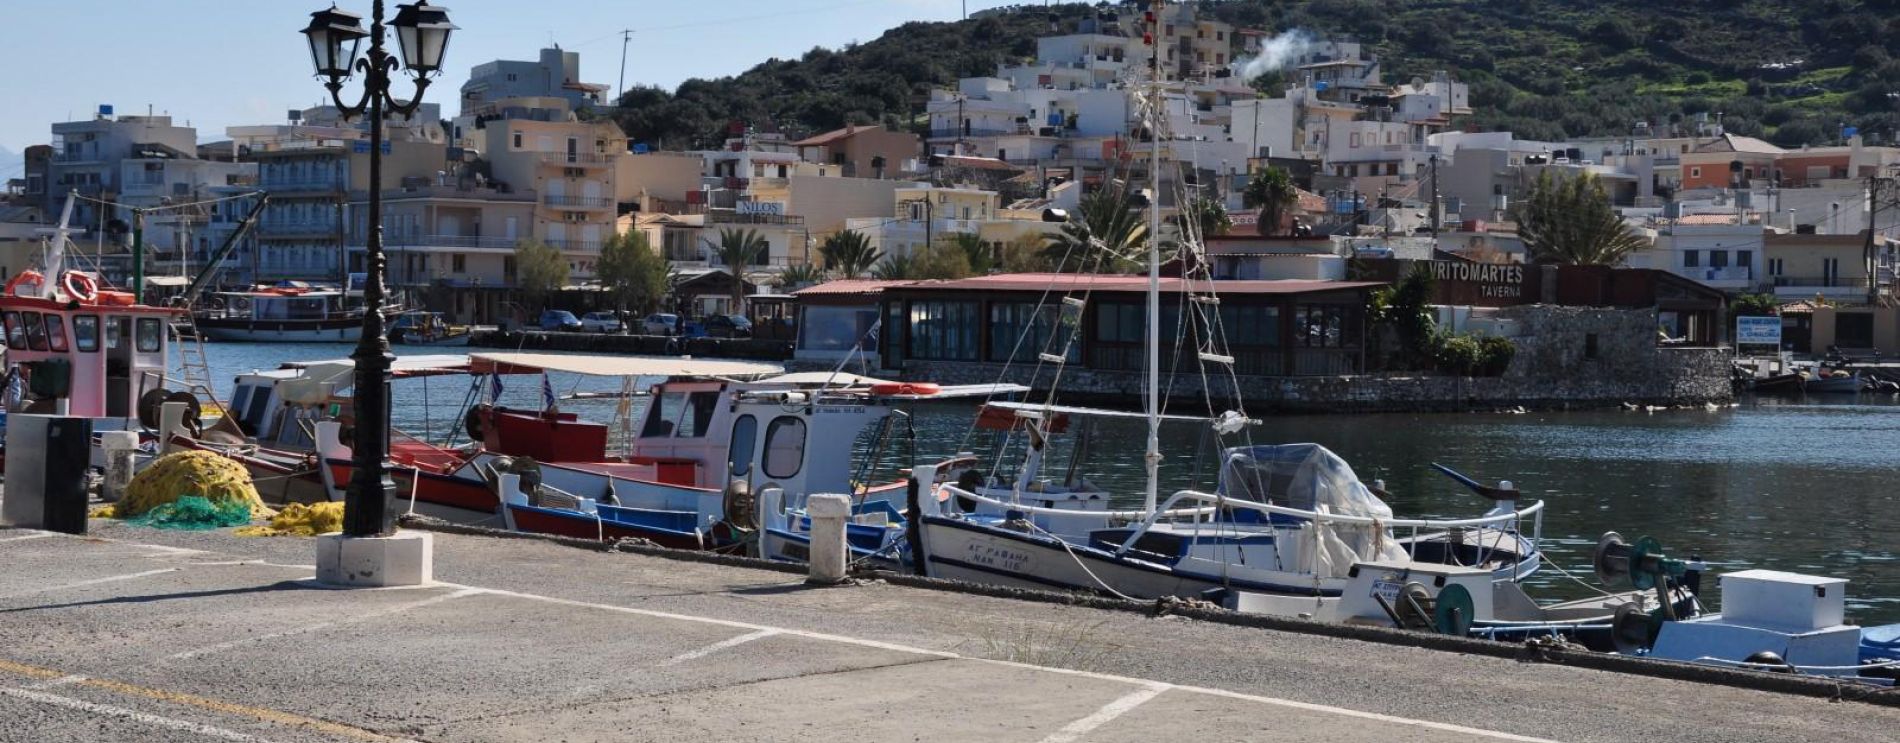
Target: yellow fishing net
[
  {"x": 201, "y": 474},
  {"x": 300, "y": 520}
]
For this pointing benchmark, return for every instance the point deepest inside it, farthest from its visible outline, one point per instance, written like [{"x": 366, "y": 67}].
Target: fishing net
[
  {"x": 190, "y": 490},
  {"x": 299, "y": 520},
  {"x": 194, "y": 513}
]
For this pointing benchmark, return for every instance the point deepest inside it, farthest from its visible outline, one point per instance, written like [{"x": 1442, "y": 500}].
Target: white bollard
[
  {"x": 121, "y": 447},
  {"x": 828, "y": 513},
  {"x": 171, "y": 420}
]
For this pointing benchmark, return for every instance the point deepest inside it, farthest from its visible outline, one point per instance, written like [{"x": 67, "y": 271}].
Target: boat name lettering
[
  {"x": 997, "y": 557},
  {"x": 841, "y": 409}
]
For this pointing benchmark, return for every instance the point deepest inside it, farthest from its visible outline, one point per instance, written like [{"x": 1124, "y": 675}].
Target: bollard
[
  {"x": 171, "y": 418},
  {"x": 121, "y": 447},
  {"x": 828, "y": 513}
]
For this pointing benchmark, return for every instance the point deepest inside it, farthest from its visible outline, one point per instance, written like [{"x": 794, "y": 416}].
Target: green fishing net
[{"x": 196, "y": 513}]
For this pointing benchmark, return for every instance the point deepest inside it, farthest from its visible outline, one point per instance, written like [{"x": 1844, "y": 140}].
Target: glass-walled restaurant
[{"x": 1271, "y": 328}]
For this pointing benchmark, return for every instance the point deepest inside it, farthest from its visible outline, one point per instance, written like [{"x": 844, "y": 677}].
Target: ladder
[{"x": 192, "y": 367}]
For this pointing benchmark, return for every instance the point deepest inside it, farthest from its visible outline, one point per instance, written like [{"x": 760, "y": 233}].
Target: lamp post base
[{"x": 403, "y": 559}]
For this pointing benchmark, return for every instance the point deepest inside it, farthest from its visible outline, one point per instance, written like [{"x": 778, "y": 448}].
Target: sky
[{"x": 219, "y": 63}]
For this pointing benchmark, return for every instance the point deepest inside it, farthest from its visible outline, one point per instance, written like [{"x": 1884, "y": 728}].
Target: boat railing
[
  {"x": 945, "y": 491},
  {"x": 1500, "y": 522}
]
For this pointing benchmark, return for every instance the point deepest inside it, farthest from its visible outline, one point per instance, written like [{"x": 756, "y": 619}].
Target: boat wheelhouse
[
  {"x": 291, "y": 313},
  {"x": 86, "y": 354}
]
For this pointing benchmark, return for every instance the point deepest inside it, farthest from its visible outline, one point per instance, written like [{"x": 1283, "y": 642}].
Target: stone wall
[
  {"x": 640, "y": 345},
  {"x": 1554, "y": 368}
]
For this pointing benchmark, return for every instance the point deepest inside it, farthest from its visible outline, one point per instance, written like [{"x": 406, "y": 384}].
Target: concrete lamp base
[{"x": 404, "y": 559}]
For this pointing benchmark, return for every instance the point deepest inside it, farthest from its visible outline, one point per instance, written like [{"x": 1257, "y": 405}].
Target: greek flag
[
  {"x": 869, "y": 341},
  {"x": 494, "y": 388},
  {"x": 547, "y": 392}
]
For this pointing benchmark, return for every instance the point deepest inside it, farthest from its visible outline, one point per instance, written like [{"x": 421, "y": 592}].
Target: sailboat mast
[{"x": 1152, "y": 458}]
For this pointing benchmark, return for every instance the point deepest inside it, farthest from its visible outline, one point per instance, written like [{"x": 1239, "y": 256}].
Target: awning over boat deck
[
  {"x": 818, "y": 378},
  {"x": 617, "y": 366},
  {"x": 402, "y": 366},
  {"x": 1090, "y": 412}
]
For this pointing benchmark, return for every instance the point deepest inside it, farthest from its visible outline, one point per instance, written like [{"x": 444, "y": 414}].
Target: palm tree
[
  {"x": 1270, "y": 190},
  {"x": 1109, "y": 216},
  {"x": 801, "y": 275},
  {"x": 1207, "y": 216},
  {"x": 737, "y": 249},
  {"x": 849, "y": 253},
  {"x": 976, "y": 251},
  {"x": 895, "y": 268},
  {"x": 1569, "y": 221}
]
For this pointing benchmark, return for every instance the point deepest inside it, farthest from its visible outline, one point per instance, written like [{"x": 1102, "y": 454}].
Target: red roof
[
  {"x": 832, "y": 136},
  {"x": 1066, "y": 282},
  {"x": 848, "y": 286}
]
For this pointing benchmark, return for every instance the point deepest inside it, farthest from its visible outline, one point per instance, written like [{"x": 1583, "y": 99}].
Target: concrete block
[
  {"x": 403, "y": 559},
  {"x": 829, "y": 557}
]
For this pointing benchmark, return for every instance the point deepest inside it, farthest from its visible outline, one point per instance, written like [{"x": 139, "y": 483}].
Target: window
[
  {"x": 784, "y": 446},
  {"x": 943, "y": 330},
  {"x": 1774, "y": 266},
  {"x": 1691, "y": 259},
  {"x": 56, "y": 333},
  {"x": 745, "y": 432},
  {"x": 1718, "y": 259},
  {"x": 1021, "y": 331},
  {"x": 115, "y": 329},
  {"x": 86, "y": 332},
  {"x": 1590, "y": 345},
  {"x": 16, "y": 335},
  {"x": 1744, "y": 258},
  {"x": 517, "y": 140},
  {"x": 1322, "y": 326},
  {"x": 458, "y": 262},
  {"x": 35, "y": 332},
  {"x": 1695, "y": 172},
  {"x": 151, "y": 333}
]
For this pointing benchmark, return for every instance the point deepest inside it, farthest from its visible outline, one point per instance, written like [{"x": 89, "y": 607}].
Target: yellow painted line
[{"x": 230, "y": 708}]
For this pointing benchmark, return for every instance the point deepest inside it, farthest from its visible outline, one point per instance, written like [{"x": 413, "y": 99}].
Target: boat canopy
[
  {"x": 828, "y": 379},
  {"x": 402, "y": 366},
  {"x": 1309, "y": 477},
  {"x": 617, "y": 366}
]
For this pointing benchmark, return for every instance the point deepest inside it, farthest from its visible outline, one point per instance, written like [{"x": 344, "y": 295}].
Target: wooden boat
[
  {"x": 286, "y": 313},
  {"x": 422, "y": 328}
]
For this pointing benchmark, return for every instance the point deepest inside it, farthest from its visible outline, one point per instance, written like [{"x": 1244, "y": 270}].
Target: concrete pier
[{"x": 135, "y": 634}]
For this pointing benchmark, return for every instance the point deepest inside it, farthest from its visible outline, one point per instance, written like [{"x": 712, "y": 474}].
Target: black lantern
[
  {"x": 422, "y": 31},
  {"x": 334, "y": 36}
]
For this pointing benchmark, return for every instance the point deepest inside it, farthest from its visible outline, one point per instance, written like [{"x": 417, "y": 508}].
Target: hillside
[{"x": 1792, "y": 71}]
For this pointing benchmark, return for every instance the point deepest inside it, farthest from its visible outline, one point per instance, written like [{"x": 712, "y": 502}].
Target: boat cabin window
[
  {"x": 86, "y": 332},
  {"x": 680, "y": 415},
  {"x": 115, "y": 331},
  {"x": 16, "y": 334},
  {"x": 35, "y": 332},
  {"x": 151, "y": 333},
  {"x": 56, "y": 333},
  {"x": 745, "y": 436},
  {"x": 784, "y": 446}
]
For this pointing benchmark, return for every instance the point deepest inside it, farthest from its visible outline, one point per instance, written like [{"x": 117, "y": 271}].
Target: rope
[{"x": 1079, "y": 563}]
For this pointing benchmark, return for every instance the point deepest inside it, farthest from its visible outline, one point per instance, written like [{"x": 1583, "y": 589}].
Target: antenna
[{"x": 626, "y": 35}]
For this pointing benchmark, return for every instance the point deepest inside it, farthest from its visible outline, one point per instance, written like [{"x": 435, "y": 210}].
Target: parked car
[
  {"x": 728, "y": 326},
  {"x": 601, "y": 322},
  {"x": 559, "y": 320},
  {"x": 660, "y": 323}
]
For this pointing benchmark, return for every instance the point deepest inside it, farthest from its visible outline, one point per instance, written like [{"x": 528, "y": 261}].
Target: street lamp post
[{"x": 422, "y": 32}]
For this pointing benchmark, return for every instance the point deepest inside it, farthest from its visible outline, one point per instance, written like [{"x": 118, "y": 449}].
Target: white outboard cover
[{"x": 1308, "y": 477}]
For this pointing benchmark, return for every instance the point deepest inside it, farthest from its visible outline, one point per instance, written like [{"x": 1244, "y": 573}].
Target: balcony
[
  {"x": 960, "y": 133},
  {"x": 290, "y": 187},
  {"x": 76, "y": 157},
  {"x": 1727, "y": 277},
  {"x": 1797, "y": 287},
  {"x": 576, "y": 159},
  {"x": 577, "y": 202},
  {"x": 291, "y": 230},
  {"x": 573, "y": 246},
  {"x": 465, "y": 242}
]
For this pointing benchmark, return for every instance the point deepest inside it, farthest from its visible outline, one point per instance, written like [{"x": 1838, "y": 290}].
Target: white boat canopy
[
  {"x": 402, "y": 365},
  {"x": 617, "y": 366},
  {"x": 841, "y": 379}
]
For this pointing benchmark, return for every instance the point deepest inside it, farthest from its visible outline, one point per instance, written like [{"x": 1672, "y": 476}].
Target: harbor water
[{"x": 1803, "y": 485}]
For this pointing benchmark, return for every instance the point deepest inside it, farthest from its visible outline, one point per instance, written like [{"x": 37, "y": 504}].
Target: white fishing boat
[
  {"x": 289, "y": 313},
  {"x": 1287, "y": 521}
]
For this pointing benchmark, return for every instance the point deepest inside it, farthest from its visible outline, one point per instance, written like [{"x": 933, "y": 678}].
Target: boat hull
[
  {"x": 957, "y": 550},
  {"x": 338, "y": 330},
  {"x": 562, "y": 522}
]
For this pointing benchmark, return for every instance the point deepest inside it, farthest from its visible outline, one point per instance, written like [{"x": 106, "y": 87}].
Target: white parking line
[
  {"x": 716, "y": 647},
  {"x": 53, "y": 682},
  {"x": 1144, "y": 683},
  {"x": 84, "y": 583},
  {"x": 147, "y": 718},
  {"x": 24, "y": 537},
  {"x": 1075, "y": 730},
  {"x": 397, "y": 609}
]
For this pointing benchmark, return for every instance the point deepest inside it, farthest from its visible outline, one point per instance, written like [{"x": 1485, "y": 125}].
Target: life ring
[
  {"x": 80, "y": 286},
  {"x": 34, "y": 278},
  {"x": 906, "y": 388}
]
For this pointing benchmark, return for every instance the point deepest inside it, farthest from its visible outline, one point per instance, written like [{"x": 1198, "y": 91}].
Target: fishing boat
[
  {"x": 288, "y": 312},
  {"x": 423, "y": 328},
  {"x": 1287, "y": 522},
  {"x": 1824, "y": 382},
  {"x": 78, "y": 347}
]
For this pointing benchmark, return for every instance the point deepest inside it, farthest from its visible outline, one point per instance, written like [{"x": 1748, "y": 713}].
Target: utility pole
[
  {"x": 1875, "y": 184},
  {"x": 1434, "y": 196},
  {"x": 138, "y": 254},
  {"x": 626, "y": 35}
]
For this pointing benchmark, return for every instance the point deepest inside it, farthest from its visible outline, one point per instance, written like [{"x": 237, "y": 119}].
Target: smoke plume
[{"x": 1276, "y": 53}]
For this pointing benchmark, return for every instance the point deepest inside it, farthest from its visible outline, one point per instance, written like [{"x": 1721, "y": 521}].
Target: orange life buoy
[
  {"x": 26, "y": 277},
  {"x": 905, "y": 388},
  {"x": 80, "y": 286}
]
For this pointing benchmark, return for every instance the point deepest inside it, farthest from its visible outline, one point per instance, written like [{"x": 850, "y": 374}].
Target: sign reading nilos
[{"x": 1501, "y": 283}]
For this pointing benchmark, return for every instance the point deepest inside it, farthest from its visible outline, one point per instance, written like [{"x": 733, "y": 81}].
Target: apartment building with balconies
[{"x": 538, "y": 146}]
